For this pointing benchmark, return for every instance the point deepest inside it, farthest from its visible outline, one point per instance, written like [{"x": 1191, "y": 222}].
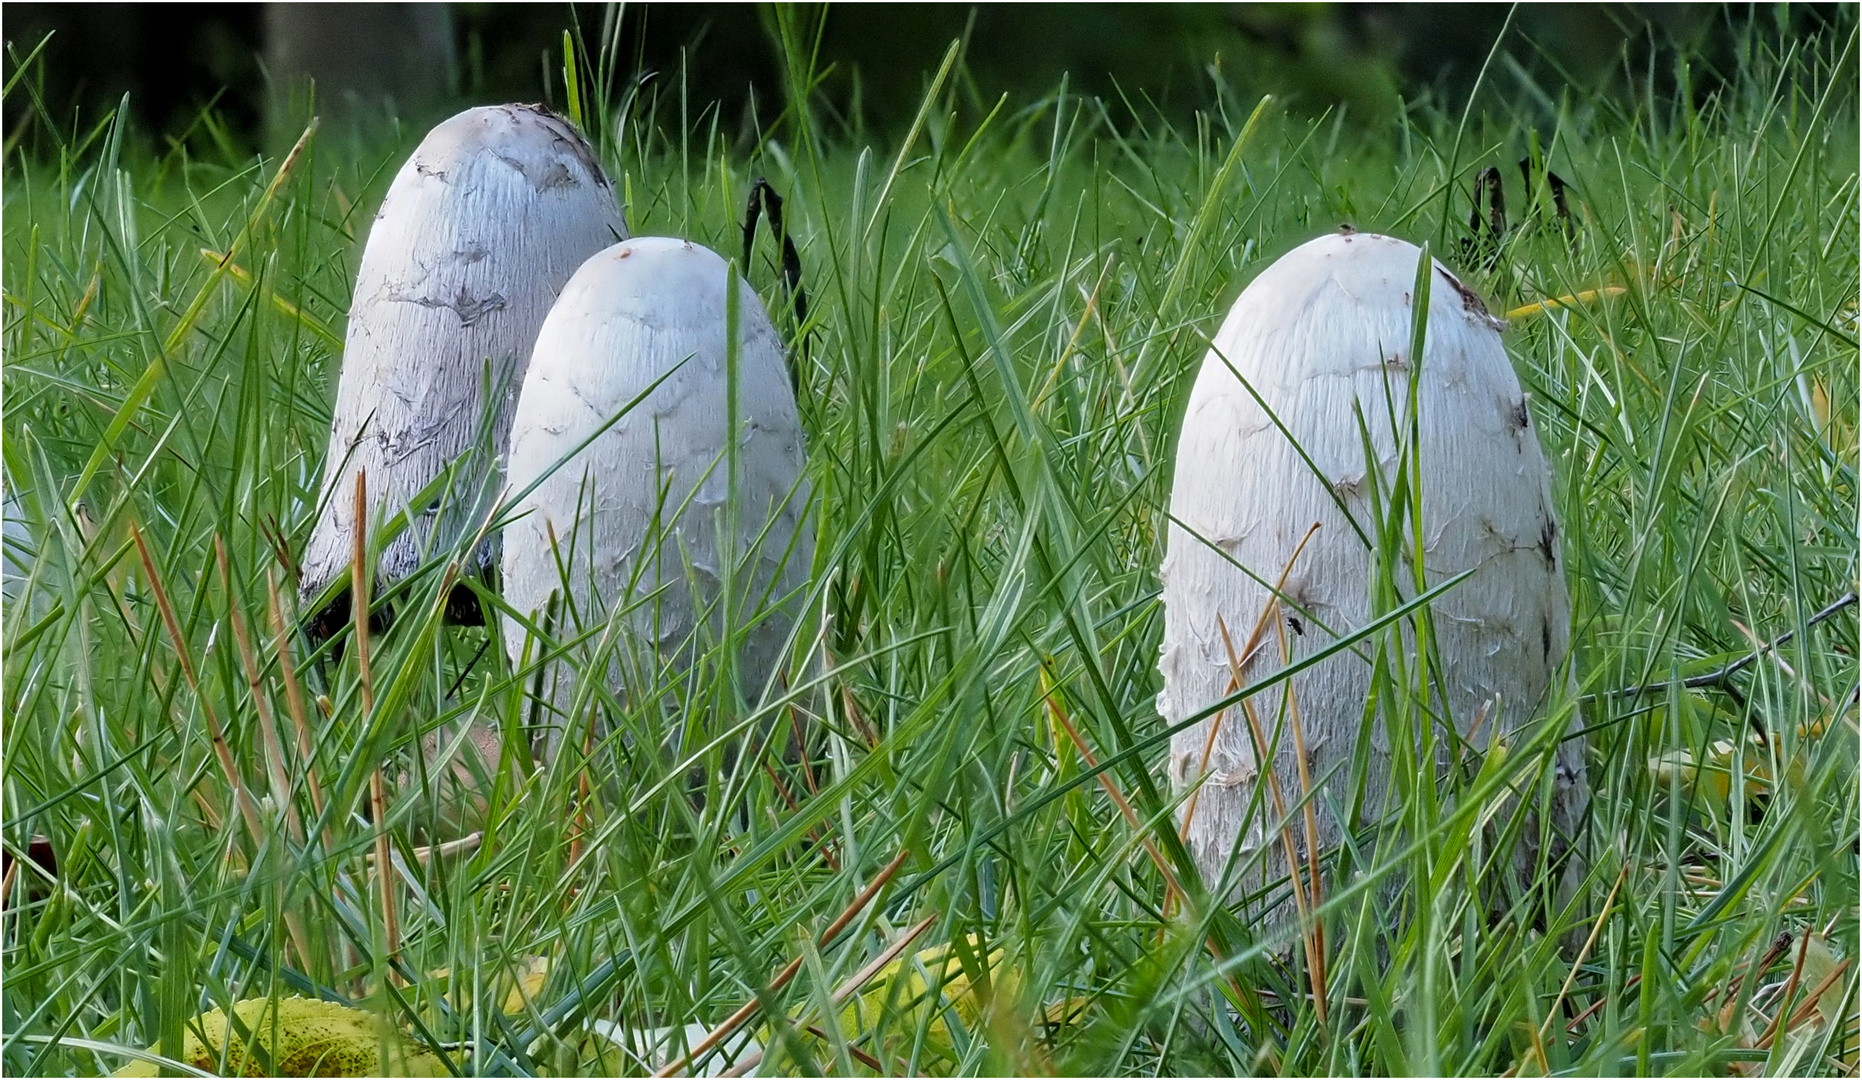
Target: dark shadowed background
[{"x": 252, "y": 61}]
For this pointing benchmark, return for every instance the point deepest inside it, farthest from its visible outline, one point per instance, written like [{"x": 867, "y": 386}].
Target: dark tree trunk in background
[{"x": 369, "y": 63}]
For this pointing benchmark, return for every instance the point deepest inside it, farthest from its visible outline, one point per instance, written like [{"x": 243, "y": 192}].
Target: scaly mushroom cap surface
[
  {"x": 637, "y": 518},
  {"x": 1323, "y": 336},
  {"x": 477, "y": 235}
]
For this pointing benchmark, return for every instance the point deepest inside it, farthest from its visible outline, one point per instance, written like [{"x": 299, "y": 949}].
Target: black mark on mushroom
[
  {"x": 1548, "y": 541},
  {"x": 1469, "y": 302},
  {"x": 469, "y": 308}
]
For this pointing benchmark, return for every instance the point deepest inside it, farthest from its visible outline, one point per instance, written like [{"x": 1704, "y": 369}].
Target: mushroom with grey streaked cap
[
  {"x": 477, "y": 235},
  {"x": 1316, "y": 343},
  {"x": 631, "y": 532}
]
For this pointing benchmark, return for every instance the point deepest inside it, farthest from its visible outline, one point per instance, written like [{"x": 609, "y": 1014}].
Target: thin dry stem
[
  {"x": 294, "y": 696},
  {"x": 1317, "y": 948},
  {"x": 1247, "y": 655},
  {"x": 223, "y": 753},
  {"x": 842, "y": 993},
  {"x": 1596, "y": 928},
  {"x": 1301, "y": 911},
  {"x": 274, "y": 749},
  {"x": 378, "y": 800},
  {"x": 749, "y": 1008},
  {"x": 261, "y": 701},
  {"x": 1803, "y": 1010},
  {"x": 1784, "y": 999},
  {"x": 1172, "y": 890}
]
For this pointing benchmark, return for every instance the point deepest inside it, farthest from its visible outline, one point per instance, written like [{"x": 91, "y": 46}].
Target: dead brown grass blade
[
  {"x": 261, "y": 700},
  {"x": 1316, "y": 948},
  {"x": 223, "y": 753},
  {"x": 1583, "y": 953},
  {"x": 378, "y": 800},
  {"x": 294, "y": 696},
  {"x": 1247, "y": 655},
  {"x": 1172, "y": 890},
  {"x": 1266, "y": 763},
  {"x": 783, "y": 977},
  {"x": 841, "y": 993},
  {"x": 268, "y": 730}
]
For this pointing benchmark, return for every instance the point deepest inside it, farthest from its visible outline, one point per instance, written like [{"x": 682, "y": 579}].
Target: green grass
[{"x": 1007, "y": 306}]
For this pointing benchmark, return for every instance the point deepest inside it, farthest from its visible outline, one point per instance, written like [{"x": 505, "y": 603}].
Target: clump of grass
[{"x": 1006, "y": 305}]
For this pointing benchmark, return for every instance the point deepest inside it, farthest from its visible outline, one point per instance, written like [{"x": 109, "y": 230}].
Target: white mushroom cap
[
  {"x": 19, "y": 549},
  {"x": 1323, "y": 336},
  {"x": 478, "y": 233},
  {"x": 629, "y": 316}
]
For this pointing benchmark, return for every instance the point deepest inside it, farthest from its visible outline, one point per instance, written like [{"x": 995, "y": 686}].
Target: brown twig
[
  {"x": 783, "y": 977},
  {"x": 1597, "y": 928},
  {"x": 378, "y": 800},
  {"x": 294, "y": 696},
  {"x": 222, "y": 752},
  {"x": 1266, "y": 761},
  {"x": 1247, "y": 656},
  {"x": 1316, "y": 950}
]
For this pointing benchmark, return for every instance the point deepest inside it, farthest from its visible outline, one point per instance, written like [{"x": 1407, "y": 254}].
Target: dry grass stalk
[
  {"x": 224, "y": 754},
  {"x": 1316, "y": 949},
  {"x": 1301, "y": 910},
  {"x": 788, "y": 973},
  {"x": 844, "y": 991},
  {"x": 1781, "y": 1025},
  {"x": 1247, "y": 655},
  {"x": 1803, "y": 1010},
  {"x": 1172, "y": 890},
  {"x": 294, "y": 696},
  {"x": 1597, "y": 928},
  {"x": 268, "y": 729},
  {"x": 261, "y": 701},
  {"x": 378, "y": 801}
]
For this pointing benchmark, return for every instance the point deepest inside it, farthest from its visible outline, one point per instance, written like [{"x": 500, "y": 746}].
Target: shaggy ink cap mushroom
[
  {"x": 648, "y": 317},
  {"x": 478, "y": 233},
  {"x": 1318, "y": 344}
]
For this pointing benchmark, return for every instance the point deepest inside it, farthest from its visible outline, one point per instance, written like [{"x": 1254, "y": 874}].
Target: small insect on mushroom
[
  {"x": 625, "y": 451},
  {"x": 1315, "y": 352},
  {"x": 477, "y": 235}
]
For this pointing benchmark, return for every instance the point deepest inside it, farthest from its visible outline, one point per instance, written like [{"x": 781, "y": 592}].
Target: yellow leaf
[{"x": 1585, "y": 297}]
